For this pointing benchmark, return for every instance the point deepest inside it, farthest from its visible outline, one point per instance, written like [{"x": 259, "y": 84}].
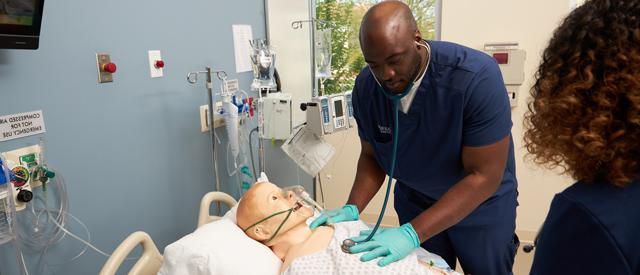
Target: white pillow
[
  {"x": 231, "y": 214},
  {"x": 219, "y": 247}
]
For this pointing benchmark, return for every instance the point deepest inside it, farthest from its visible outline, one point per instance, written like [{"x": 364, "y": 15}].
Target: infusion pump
[{"x": 329, "y": 114}]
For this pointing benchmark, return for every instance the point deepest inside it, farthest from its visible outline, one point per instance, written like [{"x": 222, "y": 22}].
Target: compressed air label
[{"x": 21, "y": 125}]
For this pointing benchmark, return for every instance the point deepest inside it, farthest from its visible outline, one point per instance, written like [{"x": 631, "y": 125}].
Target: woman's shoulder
[
  {"x": 609, "y": 209},
  {"x": 601, "y": 193}
]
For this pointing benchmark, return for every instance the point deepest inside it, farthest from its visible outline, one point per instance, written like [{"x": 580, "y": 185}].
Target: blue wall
[{"x": 131, "y": 151}]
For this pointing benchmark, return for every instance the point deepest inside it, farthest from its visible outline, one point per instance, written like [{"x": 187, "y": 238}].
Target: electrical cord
[
  {"x": 337, "y": 157},
  {"x": 253, "y": 165},
  {"x": 321, "y": 190},
  {"x": 235, "y": 164}
]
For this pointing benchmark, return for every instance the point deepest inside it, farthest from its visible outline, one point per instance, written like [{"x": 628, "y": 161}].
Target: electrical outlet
[
  {"x": 204, "y": 118},
  {"x": 512, "y": 91}
]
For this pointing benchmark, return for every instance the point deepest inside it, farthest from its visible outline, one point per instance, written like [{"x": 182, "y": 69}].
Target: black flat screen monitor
[{"x": 20, "y": 22}]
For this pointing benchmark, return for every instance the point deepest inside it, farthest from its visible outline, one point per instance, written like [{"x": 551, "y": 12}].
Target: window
[{"x": 343, "y": 18}]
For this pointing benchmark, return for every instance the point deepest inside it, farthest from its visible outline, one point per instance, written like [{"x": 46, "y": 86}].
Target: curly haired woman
[{"x": 585, "y": 119}]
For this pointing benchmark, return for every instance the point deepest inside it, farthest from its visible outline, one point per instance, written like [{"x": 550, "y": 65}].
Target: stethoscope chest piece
[{"x": 346, "y": 245}]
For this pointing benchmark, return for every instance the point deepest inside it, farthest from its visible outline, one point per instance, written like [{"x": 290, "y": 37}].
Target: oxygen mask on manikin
[
  {"x": 303, "y": 197},
  {"x": 303, "y": 205}
]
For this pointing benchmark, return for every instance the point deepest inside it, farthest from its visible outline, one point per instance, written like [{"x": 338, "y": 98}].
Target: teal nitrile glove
[
  {"x": 347, "y": 213},
  {"x": 391, "y": 243}
]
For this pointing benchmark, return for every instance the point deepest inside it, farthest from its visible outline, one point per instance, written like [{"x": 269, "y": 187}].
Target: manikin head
[
  {"x": 389, "y": 39},
  {"x": 263, "y": 200}
]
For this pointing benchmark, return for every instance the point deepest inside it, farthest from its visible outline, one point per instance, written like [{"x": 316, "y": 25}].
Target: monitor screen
[
  {"x": 20, "y": 22},
  {"x": 17, "y": 12},
  {"x": 338, "y": 108}
]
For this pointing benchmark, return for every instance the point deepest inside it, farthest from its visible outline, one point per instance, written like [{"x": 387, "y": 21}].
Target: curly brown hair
[{"x": 585, "y": 112}]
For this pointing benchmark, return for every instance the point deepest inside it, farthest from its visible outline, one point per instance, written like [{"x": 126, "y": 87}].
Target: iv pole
[
  {"x": 298, "y": 25},
  {"x": 192, "y": 78},
  {"x": 315, "y": 91}
]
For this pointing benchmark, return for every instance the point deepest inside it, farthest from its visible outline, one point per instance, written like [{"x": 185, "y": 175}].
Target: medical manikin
[{"x": 278, "y": 219}]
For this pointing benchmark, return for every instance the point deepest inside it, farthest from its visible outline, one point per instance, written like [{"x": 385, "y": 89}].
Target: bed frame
[{"x": 151, "y": 260}]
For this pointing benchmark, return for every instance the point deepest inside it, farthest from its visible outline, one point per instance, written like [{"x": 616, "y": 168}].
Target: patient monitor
[{"x": 274, "y": 116}]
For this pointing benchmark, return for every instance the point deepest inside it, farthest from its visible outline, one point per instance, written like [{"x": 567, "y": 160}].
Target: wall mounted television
[{"x": 20, "y": 22}]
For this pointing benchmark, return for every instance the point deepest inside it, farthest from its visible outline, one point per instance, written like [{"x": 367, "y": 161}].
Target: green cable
[{"x": 290, "y": 210}]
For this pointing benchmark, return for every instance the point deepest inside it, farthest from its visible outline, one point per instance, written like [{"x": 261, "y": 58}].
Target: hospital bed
[
  {"x": 214, "y": 248},
  {"x": 151, "y": 260}
]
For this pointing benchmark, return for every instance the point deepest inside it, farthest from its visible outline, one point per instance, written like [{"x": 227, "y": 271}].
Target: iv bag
[
  {"x": 263, "y": 60},
  {"x": 323, "y": 53},
  {"x": 231, "y": 123}
]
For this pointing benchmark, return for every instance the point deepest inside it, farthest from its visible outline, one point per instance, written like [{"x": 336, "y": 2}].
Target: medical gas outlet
[
  {"x": 25, "y": 173},
  {"x": 245, "y": 106},
  {"x": 218, "y": 120},
  {"x": 18, "y": 177}
]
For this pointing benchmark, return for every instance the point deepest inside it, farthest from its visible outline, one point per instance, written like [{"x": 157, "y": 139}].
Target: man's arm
[
  {"x": 369, "y": 178},
  {"x": 485, "y": 166}
]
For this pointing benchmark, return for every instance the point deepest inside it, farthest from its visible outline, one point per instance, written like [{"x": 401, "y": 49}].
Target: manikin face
[{"x": 264, "y": 199}]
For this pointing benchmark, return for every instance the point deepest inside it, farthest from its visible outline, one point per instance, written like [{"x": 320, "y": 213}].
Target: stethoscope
[{"x": 395, "y": 100}]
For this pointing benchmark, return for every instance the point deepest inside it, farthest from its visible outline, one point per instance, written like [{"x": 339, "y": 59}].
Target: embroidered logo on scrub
[{"x": 384, "y": 130}]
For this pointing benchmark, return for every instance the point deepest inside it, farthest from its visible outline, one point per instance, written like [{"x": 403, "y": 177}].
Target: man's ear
[
  {"x": 417, "y": 36},
  {"x": 261, "y": 232}
]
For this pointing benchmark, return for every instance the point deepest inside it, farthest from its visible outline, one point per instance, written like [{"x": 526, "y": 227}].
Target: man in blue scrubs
[{"x": 456, "y": 191}]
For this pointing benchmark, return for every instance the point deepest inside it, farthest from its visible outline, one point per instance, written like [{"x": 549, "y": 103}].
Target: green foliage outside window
[{"x": 343, "y": 18}]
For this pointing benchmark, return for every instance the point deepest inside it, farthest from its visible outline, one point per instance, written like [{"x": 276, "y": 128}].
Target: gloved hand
[
  {"x": 391, "y": 243},
  {"x": 347, "y": 213}
]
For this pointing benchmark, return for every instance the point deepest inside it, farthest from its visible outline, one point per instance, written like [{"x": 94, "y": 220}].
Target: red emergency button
[
  {"x": 109, "y": 67},
  {"x": 501, "y": 58},
  {"x": 159, "y": 64}
]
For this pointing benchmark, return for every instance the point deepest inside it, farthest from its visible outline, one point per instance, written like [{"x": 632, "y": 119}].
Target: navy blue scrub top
[
  {"x": 461, "y": 101},
  {"x": 591, "y": 229}
]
